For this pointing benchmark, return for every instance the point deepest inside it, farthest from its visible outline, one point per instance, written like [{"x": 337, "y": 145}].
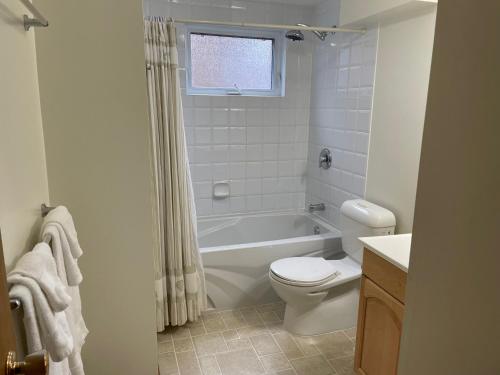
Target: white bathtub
[{"x": 237, "y": 252}]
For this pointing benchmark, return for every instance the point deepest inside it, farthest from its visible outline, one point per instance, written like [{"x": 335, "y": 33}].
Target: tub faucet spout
[{"x": 317, "y": 207}]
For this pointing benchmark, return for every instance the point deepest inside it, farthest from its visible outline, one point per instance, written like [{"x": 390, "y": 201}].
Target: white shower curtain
[{"x": 180, "y": 283}]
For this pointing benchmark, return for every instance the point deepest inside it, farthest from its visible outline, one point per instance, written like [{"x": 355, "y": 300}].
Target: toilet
[{"x": 321, "y": 295}]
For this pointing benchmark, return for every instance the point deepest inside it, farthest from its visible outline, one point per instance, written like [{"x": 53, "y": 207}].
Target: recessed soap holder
[{"x": 221, "y": 189}]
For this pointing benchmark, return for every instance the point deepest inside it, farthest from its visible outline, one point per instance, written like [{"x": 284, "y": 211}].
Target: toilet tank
[{"x": 360, "y": 218}]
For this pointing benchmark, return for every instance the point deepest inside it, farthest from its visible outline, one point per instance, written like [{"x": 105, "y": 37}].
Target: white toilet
[{"x": 322, "y": 295}]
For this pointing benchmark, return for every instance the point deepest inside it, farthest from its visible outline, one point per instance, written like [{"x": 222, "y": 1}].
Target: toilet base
[{"x": 339, "y": 310}]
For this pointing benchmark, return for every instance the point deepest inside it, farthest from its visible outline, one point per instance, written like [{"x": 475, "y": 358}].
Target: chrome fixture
[
  {"x": 317, "y": 207},
  {"x": 45, "y": 209},
  {"x": 38, "y": 20},
  {"x": 297, "y": 35},
  {"x": 325, "y": 159},
  {"x": 316, "y": 230}
]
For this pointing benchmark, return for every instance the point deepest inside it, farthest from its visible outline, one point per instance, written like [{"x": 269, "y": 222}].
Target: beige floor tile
[
  {"x": 306, "y": 345},
  {"x": 253, "y": 330},
  {"x": 183, "y": 345},
  {"x": 164, "y": 336},
  {"x": 351, "y": 332},
  {"x": 197, "y": 328},
  {"x": 264, "y": 344},
  {"x": 275, "y": 362},
  {"x": 209, "y": 344},
  {"x": 275, "y": 327},
  {"x": 288, "y": 345},
  {"x": 238, "y": 344},
  {"x": 252, "y": 316},
  {"x": 209, "y": 315},
  {"x": 231, "y": 334},
  {"x": 334, "y": 345},
  {"x": 215, "y": 325},
  {"x": 165, "y": 346},
  {"x": 285, "y": 372},
  {"x": 209, "y": 365},
  {"x": 235, "y": 322},
  {"x": 243, "y": 362},
  {"x": 188, "y": 363},
  {"x": 178, "y": 332},
  {"x": 271, "y": 307},
  {"x": 269, "y": 316},
  {"x": 316, "y": 365},
  {"x": 343, "y": 366},
  {"x": 229, "y": 314},
  {"x": 252, "y": 341},
  {"x": 168, "y": 364}
]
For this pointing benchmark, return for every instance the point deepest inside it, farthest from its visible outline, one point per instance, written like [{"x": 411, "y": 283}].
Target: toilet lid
[{"x": 307, "y": 271}]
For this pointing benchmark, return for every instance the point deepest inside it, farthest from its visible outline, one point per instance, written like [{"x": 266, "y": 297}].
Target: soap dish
[{"x": 221, "y": 190}]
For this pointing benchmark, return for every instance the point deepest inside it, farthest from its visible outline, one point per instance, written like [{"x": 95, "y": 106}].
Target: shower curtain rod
[{"x": 272, "y": 26}]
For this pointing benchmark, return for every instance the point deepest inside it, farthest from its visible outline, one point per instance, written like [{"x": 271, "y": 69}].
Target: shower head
[
  {"x": 295, "y": 35},
  {"x": 320, "y": 34}
]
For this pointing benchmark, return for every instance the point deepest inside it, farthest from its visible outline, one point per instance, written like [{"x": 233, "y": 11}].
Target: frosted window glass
[{"x": 228, "y": 62}]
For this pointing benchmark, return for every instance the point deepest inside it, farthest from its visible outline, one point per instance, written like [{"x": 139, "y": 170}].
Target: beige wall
[
  {"x": 453, "y": 307},
  {"x": 352, "y": 11},
  {"x": 23, "y": 176},
  {"x": 402, "y": 76},
  {"x": 93, "y": 94}
]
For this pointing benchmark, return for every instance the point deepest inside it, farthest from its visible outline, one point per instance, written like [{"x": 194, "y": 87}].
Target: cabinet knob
[{"x": 33, "y": 364}]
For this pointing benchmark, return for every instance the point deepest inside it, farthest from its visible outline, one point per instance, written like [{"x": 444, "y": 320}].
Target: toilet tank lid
[{"x": 368, "y": 214}]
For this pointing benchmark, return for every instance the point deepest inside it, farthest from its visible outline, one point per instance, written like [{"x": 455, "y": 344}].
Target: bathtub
[{"x": 238, "y": 250}]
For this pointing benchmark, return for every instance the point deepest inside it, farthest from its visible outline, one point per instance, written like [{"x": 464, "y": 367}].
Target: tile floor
[{"x": 252, "y": 341}]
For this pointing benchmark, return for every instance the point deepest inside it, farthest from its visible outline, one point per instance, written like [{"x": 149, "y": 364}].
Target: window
[{"x": 222, "y": 61}]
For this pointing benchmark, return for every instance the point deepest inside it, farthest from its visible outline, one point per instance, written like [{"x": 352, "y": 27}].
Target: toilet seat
[{"x": 303, "y": 271}]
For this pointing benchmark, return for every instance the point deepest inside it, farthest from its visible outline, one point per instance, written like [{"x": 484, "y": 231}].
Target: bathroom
[{"x": 270, "y": 233}]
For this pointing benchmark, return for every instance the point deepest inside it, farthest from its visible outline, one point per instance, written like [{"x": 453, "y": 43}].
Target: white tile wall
[
  {"x": 340, "y": 116},
  {"x": 268, "y": 148},
  {"x": 257, "y": 144}
]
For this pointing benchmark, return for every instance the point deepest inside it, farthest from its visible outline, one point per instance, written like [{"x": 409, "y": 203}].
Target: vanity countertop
[{"x": 395, "y": 249}]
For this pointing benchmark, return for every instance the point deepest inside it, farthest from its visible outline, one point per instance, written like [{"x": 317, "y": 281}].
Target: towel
[
  {"x": 61, "y": 216},
  {"x": 39, "y": 265},
  {"x": 37, "y": 273},
  {"x": 33, "y": 338},
  {"x": 59, "y": 228}
]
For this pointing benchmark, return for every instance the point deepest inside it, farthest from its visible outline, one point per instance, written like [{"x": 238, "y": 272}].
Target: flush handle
[{"x": 33, "y": 364}]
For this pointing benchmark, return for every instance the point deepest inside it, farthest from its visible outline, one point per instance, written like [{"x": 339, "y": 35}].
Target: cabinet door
[{"x": 379, "y": 331}]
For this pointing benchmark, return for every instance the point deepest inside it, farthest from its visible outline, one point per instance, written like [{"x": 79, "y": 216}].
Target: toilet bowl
[{"x": 321, "y": 295}]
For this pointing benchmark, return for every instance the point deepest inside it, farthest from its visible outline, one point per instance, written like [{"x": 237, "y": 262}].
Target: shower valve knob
[{"x": 325, "y": 159}]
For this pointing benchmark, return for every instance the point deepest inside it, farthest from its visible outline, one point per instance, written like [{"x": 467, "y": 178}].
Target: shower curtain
[{"x": 179, "y": 278}]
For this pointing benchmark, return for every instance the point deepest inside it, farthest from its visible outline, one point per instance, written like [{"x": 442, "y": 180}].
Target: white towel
[
  {"x": 46, "y": 291},
  {"x": 59, "y": 227},
  {"x": 61, "y": 216},
  {"x": 40, "y": 266},
  {"x": 67, "y": 266},
  {"x": 33, "y": 339}
]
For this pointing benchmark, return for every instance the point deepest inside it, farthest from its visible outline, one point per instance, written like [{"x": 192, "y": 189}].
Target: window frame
[{"x": 279, "y": 60}]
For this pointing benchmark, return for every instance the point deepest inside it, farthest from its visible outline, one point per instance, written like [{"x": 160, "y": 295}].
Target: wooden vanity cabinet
[{"x": 380, "y": 316}]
